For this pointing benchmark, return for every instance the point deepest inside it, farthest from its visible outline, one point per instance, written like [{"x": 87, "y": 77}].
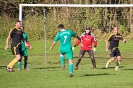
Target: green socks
[
  {"x": 19, "y": 65},
  {"x": 70, "y": 68},
  {"x": 62, "y": 60}
]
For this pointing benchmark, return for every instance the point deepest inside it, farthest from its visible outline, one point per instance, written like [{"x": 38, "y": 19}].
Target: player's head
[
  {"x": 115, "y": 30},
  {"x": 61, "y": 26},
  {"x": 88, "y": 29},
  {"x": 18, "y": 24}
]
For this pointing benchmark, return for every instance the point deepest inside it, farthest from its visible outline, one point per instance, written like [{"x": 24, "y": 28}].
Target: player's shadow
[
  {"x": 1, "y": 67},
  {"x": 111, "y": 67},
  {"x": 128, "y": 69},
  {"x": 96, "y": 74},
  {"x": 48, "y": 68}
]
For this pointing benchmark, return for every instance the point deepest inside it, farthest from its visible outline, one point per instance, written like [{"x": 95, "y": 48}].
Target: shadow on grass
[
  {"x": 1, "y": 67},
  {"x": 96, "y": 74},
  {"x": 111, "y": 67},
  {"x": 48, "y": 68},
  {"x": 128, "y": 69}
]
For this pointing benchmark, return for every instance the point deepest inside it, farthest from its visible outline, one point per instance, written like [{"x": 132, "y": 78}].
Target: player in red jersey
[{"x": 86, "y": 40}]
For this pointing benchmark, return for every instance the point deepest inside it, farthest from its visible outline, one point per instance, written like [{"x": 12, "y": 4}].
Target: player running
[
  {"x": 16, "y": 35},
  {"x": 24, "y": 51},
  {"x": 86, "y": 40},
  {"x": 65, "y": 46},
  {"x": 112, "y": 44}
]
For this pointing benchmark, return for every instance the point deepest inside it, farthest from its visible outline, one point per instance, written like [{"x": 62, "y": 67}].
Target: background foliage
[{"x": 102, "y": 20}]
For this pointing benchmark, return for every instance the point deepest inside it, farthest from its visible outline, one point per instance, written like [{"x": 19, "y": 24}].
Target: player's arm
[
  {"x": 94, "y": 40},
  {"x": 78, "y": 40},
  {"x": 123, "y": 40},
  {"x": 55, "y": 41},
  {"x": 7, "y": 42},
  {"x": 107, "y": 42},
  {"x": 107, "y": 45},
  {"x": 9, "y": 38},
  {"x": 27, "y": 41},
  {"x": 94, "y": 43},
  {"x": 53, "y": 44}
]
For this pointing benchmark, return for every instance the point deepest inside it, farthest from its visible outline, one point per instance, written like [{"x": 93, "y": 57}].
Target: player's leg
[
  {"x": 20, "y": 64},
  {"x": 62, "y": 60},
  {"x": 69, "y": 56},
  {"x": 81, "y": 54},
  {"x": 25, "y": 59},
  {"x": 26, "y": 62},
  {"x": 17, "y": 52},
  {"x": 109, "y": 61},
  {"x": 112, "y": 57},
  {"x": 118, "y": 54},
  {"x": 13, "y": 62},
  {"x": 91, "y": 54}
]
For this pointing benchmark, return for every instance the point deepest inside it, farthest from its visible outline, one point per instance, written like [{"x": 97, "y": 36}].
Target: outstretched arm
[{"x": 54, "y": 43}]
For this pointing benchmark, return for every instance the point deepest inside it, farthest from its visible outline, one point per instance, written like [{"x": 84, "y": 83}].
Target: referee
[
  {"x": 15, "y": 35},
  {"x": 112, "y": 44}
]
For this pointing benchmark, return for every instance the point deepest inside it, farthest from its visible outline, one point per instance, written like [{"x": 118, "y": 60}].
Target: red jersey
[{"x": 86, "y": 41}]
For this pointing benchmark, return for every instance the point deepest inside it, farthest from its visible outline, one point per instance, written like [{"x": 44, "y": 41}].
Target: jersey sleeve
[
  {"x": 57, "y": 37},
  {"x": 94, "y": 40},
  {"x": 73, "y": 33},
  {"x": 11, "y": 33},
  {"x": 109, "y": 38},
  {"x": 121, "y": 38},
  {"x": 25, "y": 36}
]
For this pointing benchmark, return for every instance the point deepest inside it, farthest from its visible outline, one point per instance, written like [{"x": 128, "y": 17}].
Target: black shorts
[
  {"x": 115, "y": 52},
  {"x": 16, "y": 49}
]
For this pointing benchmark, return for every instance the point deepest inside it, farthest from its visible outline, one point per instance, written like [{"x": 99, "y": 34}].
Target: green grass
[{"x": 47, "y": 72}]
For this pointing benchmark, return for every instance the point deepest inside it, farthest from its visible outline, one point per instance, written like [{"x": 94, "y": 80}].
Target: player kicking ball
[
  {"x": 65, "y": 46},
  {"x": 112, "y": 44}
]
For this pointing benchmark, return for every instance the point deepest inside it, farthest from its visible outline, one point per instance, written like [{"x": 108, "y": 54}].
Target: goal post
[
  {"x": 69, "y": 5},
  {"x": 65, "y": 5}
]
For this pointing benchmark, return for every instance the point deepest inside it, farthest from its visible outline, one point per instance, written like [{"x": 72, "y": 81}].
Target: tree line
[{"x": 102, "y": 19}]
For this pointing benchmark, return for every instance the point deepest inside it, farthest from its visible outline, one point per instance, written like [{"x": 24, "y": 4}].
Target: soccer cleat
[
  {"x": 107, "y": 64},
  {"x": 76, "y": 68},
  {"x": 95, "y": 68},
  {"x": 27, "y": 68},
  {"x": 19, "y": 69},
  {"x": 10, "y": 69},
  {"x": 116, "y": 68},
  {"x": 70, "y": 75}
]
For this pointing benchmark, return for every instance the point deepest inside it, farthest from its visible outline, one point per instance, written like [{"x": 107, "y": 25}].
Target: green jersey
[
  {"x": 22, "y": 43},
  {"x": 65, "y": 40}
]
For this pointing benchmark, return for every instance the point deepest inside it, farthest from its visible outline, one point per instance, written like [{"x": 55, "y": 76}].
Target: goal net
[{"x": 43, "y": 23}]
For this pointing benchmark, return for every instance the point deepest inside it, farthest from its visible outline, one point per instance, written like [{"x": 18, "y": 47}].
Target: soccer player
[
  {"x": 112, "y": 44},
  {"x": 16, "y": 35},
  {"x": 65, "y": 46},
  {"x": 24, "y": 51},
  {"x": 86, "y": 40}
]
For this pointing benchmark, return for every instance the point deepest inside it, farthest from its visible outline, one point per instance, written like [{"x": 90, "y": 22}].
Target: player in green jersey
[
  {"x": 65, "y": 46},
  {"x": 24, "y": 51}
]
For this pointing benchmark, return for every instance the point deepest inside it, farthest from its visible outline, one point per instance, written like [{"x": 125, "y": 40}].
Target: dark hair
[
  {"x": 61, "y": 26},
  {"x": 18, "y": 21},
  {"x": 88, "y": 28}
]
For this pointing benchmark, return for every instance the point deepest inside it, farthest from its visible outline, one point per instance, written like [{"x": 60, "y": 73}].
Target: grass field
[{"x": 47, "y": 73}]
